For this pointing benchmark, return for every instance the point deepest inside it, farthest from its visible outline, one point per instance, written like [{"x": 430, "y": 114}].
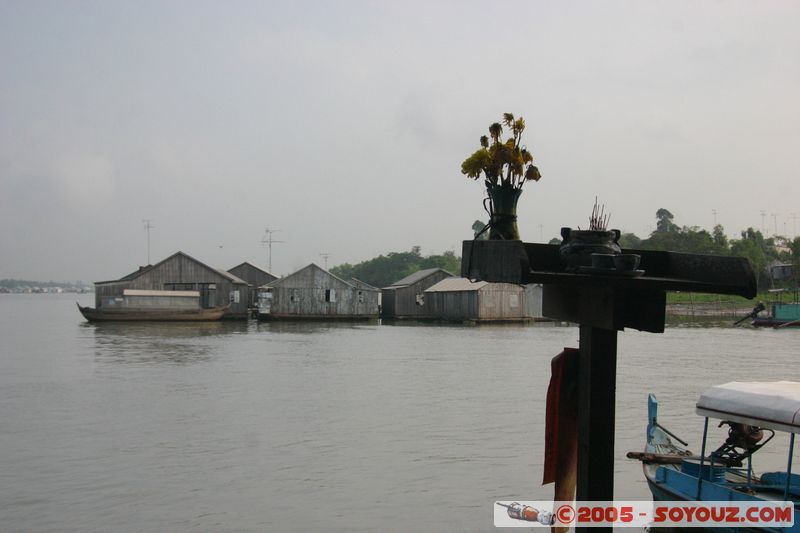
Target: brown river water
[{"x": 317, "y": 427}]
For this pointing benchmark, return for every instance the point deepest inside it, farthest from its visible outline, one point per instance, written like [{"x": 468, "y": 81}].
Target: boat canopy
[{"x": 774, "y": 405}]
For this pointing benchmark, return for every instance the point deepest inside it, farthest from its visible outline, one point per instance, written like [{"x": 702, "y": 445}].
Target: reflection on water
[
  {"x": 178, "y": 343},
  {"x": 699, "y": 321},
  {"x": 310, "y": 326},
  {"x": 167, "y": 329}
]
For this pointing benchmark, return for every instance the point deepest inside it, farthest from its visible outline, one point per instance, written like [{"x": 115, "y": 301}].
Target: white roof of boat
[
  {"x": 774, "y": 405},
  {"x": 172, "y": 294}
]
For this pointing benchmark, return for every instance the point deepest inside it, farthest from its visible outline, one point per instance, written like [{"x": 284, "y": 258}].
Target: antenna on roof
[
  {"x": 147, "y": 228},
  {"x": 325, "y": 256},
  {"x": 268, "y": 240}
]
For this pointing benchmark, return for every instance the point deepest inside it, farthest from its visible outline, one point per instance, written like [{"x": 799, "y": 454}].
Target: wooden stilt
[{"x": 596, "y": 398}]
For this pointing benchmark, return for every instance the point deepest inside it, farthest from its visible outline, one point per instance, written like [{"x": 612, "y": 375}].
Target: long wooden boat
[
  {"x": 754, "y": 412},
  {"x": 154, "y": 315}
]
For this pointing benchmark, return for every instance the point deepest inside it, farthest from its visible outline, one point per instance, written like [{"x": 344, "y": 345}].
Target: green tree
[
  {"x": 794, "y": 246},
  {"x": 629, "y": 241},
  {"x": 758, "y": 260},
  {"x": 720, "y": 240},
  {"x": 384, "y": 270},
  {"x": 664, "y": 222},
  {"x": 448, "y": 261},
  {"x": 477, "y": 227},
  {"x": 670, "y": 236}
]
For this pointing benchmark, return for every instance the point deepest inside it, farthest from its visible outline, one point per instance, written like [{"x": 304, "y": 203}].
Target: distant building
[
  {"x": 255, "y": 277},
  {"x": 181, "y": 272},
  {"x": 781, "y": 271},
  {"x": 462, "y": 299},
  {"x": 314, "y": 293},
  {"x": 405, "y": 298}
]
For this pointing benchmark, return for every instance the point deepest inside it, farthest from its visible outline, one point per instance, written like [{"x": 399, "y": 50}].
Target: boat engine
[{"x": 742, "y": 442}]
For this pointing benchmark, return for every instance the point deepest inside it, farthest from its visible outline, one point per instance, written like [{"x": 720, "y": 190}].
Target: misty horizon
[{"x": 344, "y": 125}]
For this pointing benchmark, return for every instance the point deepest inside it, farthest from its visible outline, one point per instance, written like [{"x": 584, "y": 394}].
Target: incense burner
[{"x": 579, "y": 245}]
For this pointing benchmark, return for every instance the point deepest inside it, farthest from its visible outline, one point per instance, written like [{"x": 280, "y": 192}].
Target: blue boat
[
  {"x": 754, "y": 411},
  {"x": 781, "y": 314}
]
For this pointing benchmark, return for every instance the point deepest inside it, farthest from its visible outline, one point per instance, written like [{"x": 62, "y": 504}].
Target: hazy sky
[{"x": 344, "y": 124}]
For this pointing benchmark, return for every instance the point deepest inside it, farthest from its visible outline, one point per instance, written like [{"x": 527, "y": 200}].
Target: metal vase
[{"x": 503, "y": 209}]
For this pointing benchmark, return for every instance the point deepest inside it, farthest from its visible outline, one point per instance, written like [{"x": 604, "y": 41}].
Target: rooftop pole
[
  {"x": 147, "y": 227},
  {"x": 268, "y": 240},
  {"x": 325, "y": 256}
]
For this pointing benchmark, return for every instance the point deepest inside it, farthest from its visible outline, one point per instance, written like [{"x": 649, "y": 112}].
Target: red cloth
[{"x": 561, "y": 422}]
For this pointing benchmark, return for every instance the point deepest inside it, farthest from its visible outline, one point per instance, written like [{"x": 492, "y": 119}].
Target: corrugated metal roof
[
  {"x": 148, "y": 268},
  {"x": 416, "y": 276},
  {"x": 226, "y": 274},
  {"x": 457, "y": 285},
  {"x": 282, "y": 281},
  {"x": 363, "y": 285},
  {"x": 252, "y": 266},
  {"x": 140, "y": 271}
]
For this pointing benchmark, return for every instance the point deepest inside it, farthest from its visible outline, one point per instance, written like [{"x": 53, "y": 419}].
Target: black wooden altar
[{"x": 603, "y": 305}]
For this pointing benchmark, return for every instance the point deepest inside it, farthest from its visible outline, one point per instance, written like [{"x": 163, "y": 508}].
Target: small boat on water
[
  {"x": 153, "y": 315},
  {"x": 156, "y": 306},
  {"x": 754, "y": 411},
  {"x": 780, "y": 313}
]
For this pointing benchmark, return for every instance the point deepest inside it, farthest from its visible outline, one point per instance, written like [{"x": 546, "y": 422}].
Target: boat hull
[
  {"x": 775, "y": 323},
  {"x": 152, "y": 315}
]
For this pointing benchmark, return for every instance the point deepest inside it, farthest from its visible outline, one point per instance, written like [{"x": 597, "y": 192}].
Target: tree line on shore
[{"x": 384, "y": 270}]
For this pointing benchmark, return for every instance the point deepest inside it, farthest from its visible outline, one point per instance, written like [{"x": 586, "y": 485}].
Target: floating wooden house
[
  {"x": 255, "y": 277},
  {"x": 180, "y": 272},
  {"x": 314, "y": 293},
  {"x": 462, "y": 299},
  {"x": 405, "y": 298}
]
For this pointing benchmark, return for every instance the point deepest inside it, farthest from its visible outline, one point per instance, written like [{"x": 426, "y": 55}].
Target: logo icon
[{"x": 527, "y": 513}]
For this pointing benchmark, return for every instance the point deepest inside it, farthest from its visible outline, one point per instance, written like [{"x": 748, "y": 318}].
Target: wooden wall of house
[
  {"x": 182, "y": 269},
  {"x": 303, "y": 294},
  {"x": 366, "y": 302},
  {"x": 454, "y": 305},
  {"x": 496, "y": 301},
  {"x": 501, "y": 301},
  {"x": 255, "y": 277},
  {"x": 533, "y": 301},
  {"x": 387, "y": 303},
  {"x": 402, "y": 301},
  {"x": 108, "y": 290}
]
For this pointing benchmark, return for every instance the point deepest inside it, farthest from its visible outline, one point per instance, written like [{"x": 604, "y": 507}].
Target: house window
[
  {"x": 513, "y": 300},
  {"x": 420, "y": 299},
  {"x": 360, "y": 297},
  {"x": 294, "y": 295},
  {"x": 330, "y": 295}
]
